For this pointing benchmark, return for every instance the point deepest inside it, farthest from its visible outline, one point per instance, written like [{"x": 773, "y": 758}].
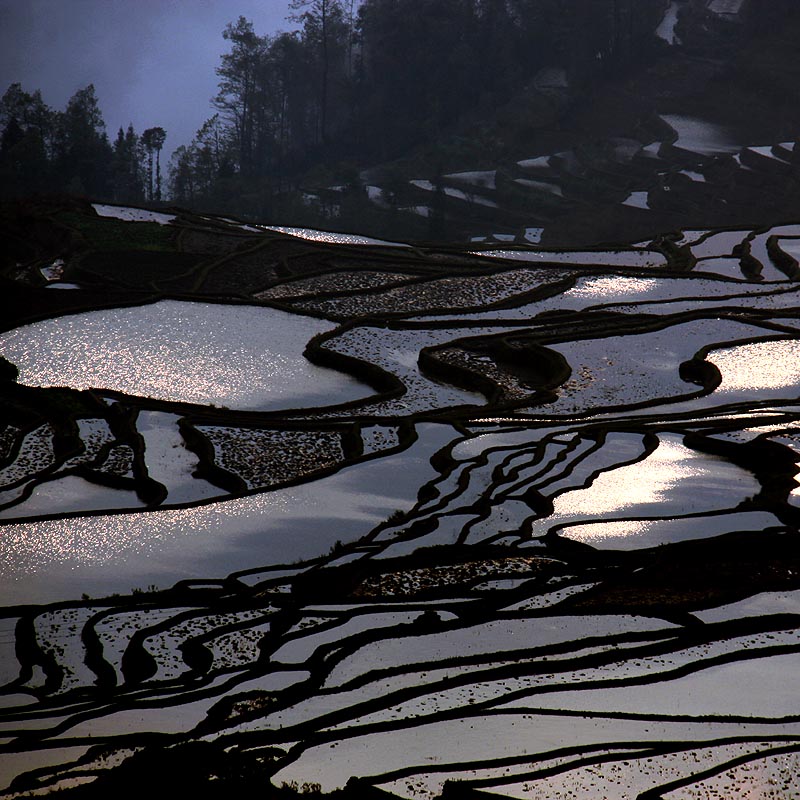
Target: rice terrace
[
  {"x": 400, "y": 520},
  {"x": 426, "y": 426}
]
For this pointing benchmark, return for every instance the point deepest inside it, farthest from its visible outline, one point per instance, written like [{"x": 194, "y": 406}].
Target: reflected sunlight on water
[
  {"x": 330, "y": 237},
  {"x": 596, "y": 532},
  {"x": 238, "y": 356},
  {"x": 672, "y": 476},
  {"x": 628, "y": 258},
  {"x": 613, "y": 287},
  {"x": 638, "y": 484},
  {"x": 758, "y": 366},
  {"x": 57, "y": 558}
]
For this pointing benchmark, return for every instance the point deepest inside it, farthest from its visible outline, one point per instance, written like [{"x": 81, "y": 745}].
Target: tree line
[
  {"x": 356, "y": 83},
  {"x": 44, "y": 150},
  {"x": 363, "y": 83}
]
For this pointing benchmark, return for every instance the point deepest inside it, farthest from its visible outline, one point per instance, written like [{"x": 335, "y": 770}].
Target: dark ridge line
[
  {"x": 699, "y": 719},
  {"x": 658, "y": 792},
  {"x": 313, "y": 733},
  {"x": 601, "y": 307},
  {"x": 543, "y": 291},
  {"x": 604, "y": 755},
  {"x": 484, "y": 509},
  {"x": 650, "y": 443},
  {"x": 512, "y": 671},
  {"x": 630, "y": 750},
  {"x": 322, "y": 473},
  {"x": 655, "y": 751},
  {"x": 504, "y": 657}
]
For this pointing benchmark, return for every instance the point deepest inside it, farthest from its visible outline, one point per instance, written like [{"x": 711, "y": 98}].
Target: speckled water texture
[{"x": 517, "y": 519}]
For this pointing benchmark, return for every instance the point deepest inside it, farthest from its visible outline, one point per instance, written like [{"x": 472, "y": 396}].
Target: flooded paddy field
[{"x": 330, "y": 514}]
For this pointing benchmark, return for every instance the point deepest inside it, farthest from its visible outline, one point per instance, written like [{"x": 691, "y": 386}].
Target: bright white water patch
[
  {"x": 758, "y": 605},
  {"x": 468, "y": 740},
  {"x": 377, "y": 196},
  {"x": 133, "y": 214},
  {"x": 68, "y": 494},
  {"x": 690, "y": 237},
  {"x": 764, "y": 150},
  {"x": 758, "y": 249},
  {"x": 766, "y": 368},
  {"x": 485, "y": 179},
  {"x": 738, "y": 159},
  {"x": 666, "y": 30},
  {"x": 790, "y": 246},
  {"x": 616, "y": 286},
  {"x": 427, "y": 186},
  {"x": 540, "y": 162},
  {"x": 328, "y": 236},
  {"x": 533, "y": 235},
  {"x": 633, "y": 534},
  {"x": 60, "y": 558},
  {"x": 637, "y": 200},
  {"x": 672, "y": 480},
  {"x": 697, "y": 177},
  {"x": 751, "y": 687},
  {"x": 625, "y": 294},
  {"x": 167, "y": 459},
  {"x": 718, "y": 244},
  {"x": 397, "y": 352},
  {"x": 698, "y": 136},
  {"x": 626, "y": 258},
  {"x": 725, "y": 267},
  {"x": 239, "y": 356},
  {"x": 652, "y": 150}
]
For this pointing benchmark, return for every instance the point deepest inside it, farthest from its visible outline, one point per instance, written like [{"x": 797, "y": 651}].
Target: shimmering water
[
  {"x": 244, "y": 357},
  {"x": 762, "y": 369},
  {"x": 624, "y": 258},
  {"x": 55, "y": 559},
  {"x": 699, "y": 136},
  {"x": 478, "y": 701},
  {"x": 330, "y": 237},
  {"x": 133, "y": 214}
]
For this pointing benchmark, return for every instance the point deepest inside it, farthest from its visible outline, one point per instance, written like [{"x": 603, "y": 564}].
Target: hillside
[
  {"x": 698, "y": 131},
  {"x": 288, "y": 512}
]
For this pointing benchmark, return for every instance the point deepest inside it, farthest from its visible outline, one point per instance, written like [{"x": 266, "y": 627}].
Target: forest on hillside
[
  {"x": 42, "y": 150},
  {"x": 355, "y": 85},
  {"x": 350, "y": 89}
]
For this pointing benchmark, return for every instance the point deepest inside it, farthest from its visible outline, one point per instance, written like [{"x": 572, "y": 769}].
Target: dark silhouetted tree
[
  {"x": 153, "y": 140},
  {"x": 238, "y": 89},
  {"x": 83, "y": 155},
  {"x": 327, "y": 34},
  {"x": 26, "y": 132},
  {"x": 128, "y": 169}
]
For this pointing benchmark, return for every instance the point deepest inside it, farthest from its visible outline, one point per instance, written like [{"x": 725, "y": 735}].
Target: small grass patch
[{"x": 107, "y": 234}]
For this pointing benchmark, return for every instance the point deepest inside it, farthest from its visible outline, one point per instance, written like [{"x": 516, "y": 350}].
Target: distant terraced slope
[{"x": 549, "y": 548}]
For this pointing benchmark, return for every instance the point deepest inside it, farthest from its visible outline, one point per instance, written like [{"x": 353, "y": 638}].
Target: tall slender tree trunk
[
  {"x": 351, "y": 29},
  {"x": 323, "y": 112},
  {"x": 150, "y": 173},
  {"x": 158, "y": 174}
]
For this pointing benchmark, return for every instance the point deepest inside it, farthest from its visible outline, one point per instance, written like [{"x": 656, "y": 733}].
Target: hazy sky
[{"x": 152, "y": 61}]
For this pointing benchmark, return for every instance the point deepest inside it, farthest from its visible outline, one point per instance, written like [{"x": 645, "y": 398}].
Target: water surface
[{"x": 243, "y": 357}]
